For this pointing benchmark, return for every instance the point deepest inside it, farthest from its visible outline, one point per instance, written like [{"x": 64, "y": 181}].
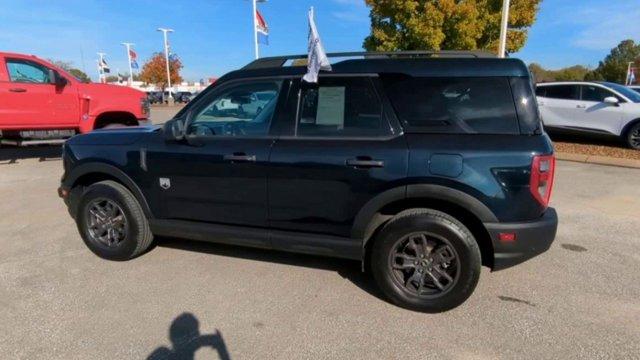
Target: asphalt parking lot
[{"x": 581, "y": 299}]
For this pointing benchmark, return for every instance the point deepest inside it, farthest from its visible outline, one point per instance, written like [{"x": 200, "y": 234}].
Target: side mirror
[
  {"x": 56, "y": 79},
  {"x": 611, "y": 100},
  {"x": 174, "y": 129}
]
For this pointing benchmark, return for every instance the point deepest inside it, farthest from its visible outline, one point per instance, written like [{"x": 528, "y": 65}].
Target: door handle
[
  {"x": 240, "y": 157},
  {"x": 365, "y": 163},
  {"x": 18, "y": 90},
  {"x": 581, "y": 106}
]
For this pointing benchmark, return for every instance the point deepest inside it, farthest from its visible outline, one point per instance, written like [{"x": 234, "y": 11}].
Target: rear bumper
[{"x": 531, "y": 238}]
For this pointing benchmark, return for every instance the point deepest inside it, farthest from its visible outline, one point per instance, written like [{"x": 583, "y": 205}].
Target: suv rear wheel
[
  {"x": 633, "y": 136},
  {"x": 112, "y": 223},
  {"x": 426, "y": 260}
]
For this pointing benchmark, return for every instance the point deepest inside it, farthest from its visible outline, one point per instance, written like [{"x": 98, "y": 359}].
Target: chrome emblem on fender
[{"x": 165, "y": 183}]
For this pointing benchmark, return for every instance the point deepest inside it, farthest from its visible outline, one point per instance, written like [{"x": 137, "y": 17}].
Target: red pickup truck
[{"x": 42, "y": 103}]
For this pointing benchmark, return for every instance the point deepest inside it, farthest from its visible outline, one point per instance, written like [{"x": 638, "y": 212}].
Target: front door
[
  {"x": 560, "y": 105},
  {"x": 598, "y": 115},
  {"x": 339, "y": 152},
  {"x": 220, "y": 174}
]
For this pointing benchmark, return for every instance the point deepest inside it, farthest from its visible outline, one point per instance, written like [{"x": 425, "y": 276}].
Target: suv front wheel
[
  {"x": 633, "y": 136},
  {"x": 426, "y": 260},
  {"x": 112, "y": 223}
]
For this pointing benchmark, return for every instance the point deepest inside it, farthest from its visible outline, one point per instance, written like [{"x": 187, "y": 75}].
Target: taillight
[{"x": 542, "y": 171}]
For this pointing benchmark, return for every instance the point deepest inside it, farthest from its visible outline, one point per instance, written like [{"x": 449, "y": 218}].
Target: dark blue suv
[{"x": 423, "y": 166}]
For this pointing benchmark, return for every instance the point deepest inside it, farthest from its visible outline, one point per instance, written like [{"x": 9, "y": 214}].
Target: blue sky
[{"x": 215, "y": 36}]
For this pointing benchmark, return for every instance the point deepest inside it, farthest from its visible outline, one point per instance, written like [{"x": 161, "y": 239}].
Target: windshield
[{"x": 628, "y": 93}]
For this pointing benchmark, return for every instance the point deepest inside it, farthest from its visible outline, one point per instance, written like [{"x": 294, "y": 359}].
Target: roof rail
[{"x": 279, "y": 61}]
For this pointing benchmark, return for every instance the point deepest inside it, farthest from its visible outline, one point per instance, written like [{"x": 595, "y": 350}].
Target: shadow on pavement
[
  {"x": 13, "y": 154},
  {"x": 348, "y": 269},
  {"x": 185, "y": 337}
]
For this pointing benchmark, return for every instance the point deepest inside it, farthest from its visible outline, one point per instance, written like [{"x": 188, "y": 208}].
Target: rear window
[
  {"x": 565, "y": 92},
  {"x": 454, "y": 105}
]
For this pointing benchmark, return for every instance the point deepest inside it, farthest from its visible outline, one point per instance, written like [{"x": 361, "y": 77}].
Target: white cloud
[{"x": 603, "y": 26}]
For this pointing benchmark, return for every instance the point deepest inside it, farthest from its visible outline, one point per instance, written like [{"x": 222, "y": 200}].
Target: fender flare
[
  {"x": 106, "y": 169},
  {"x": 361, "y": 227}
]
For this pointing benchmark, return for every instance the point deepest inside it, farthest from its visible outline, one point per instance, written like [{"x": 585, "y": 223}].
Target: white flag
[{"x": 317, "y": 59}]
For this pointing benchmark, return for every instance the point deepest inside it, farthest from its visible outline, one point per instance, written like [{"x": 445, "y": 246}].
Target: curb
[{"x": 600, "y": 160}]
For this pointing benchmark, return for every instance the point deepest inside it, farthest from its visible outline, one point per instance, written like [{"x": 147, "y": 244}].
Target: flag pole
[
  {"x": 503, "y": 29},
  {"x": 166, "y": 57},
  {"x": 255, "y": 28},
  {"x": 128, "y": 46},
  {"x": 101, "y": 76},
  {"x": 627, "y": 79}
]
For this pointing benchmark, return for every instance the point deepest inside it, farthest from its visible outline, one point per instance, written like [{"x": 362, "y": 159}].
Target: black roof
[{"x": 431, "y": 64}]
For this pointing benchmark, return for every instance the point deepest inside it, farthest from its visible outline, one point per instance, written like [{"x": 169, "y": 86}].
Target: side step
[{"x": 21, "y": 142}]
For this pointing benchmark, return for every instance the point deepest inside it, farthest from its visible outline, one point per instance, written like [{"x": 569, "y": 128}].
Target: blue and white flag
[
  {"x": 262, "y": 29},
  {"x": 317, "y": 59}
]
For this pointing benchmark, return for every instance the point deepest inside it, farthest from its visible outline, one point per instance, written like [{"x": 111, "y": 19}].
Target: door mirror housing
[
  {"x": 611, "y": 100},
  {"x": 56, "y": 79},
  {"x": 175, "y": 129}
]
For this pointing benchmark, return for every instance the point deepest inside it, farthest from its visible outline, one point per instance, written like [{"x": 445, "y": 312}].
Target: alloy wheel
[
  {"x": 106, "y": 223},
  {"x": 424, "y": 264}
]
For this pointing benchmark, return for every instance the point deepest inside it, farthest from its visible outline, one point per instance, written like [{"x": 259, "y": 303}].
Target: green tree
[
  {"x": 572, "y": 73},
  {"x": 614, "y": 66},
  {"x": 447, "y": 24},
  {"x": 68, "y": 67}
]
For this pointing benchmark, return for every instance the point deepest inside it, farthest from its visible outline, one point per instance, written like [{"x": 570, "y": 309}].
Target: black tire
[
  {"x": 438, "y": 227},
  {"x": 632, "y": 136},
  {"x": 136, "y": 239}
]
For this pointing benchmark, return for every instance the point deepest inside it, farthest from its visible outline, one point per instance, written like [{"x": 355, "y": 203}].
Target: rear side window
[
  {"x": 454, "y": 105},
  {"x": 566, "y": 92},
  {"x": 341, "y": 107}
]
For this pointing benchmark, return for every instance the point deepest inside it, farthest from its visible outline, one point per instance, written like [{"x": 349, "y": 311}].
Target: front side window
[
  {"x": 341, "y": 107},
  {"x": 595, "y": 93},
  {"x": 23, "y": 71},
  {"x": 454, "y": 105},
  {"x": 240, "y": 110},
  {"x": 564, "y": 92}
]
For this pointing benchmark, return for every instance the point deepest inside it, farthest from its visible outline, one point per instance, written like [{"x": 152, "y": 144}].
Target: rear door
[
  {"x": 338, "y": 149},
  {"x": 560, "y": 105}
]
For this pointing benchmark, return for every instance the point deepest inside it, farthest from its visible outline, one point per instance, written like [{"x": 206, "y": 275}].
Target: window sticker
[{"x": 331, "y": 106}]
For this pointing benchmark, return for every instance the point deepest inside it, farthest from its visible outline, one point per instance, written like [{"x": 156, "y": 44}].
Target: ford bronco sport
[{"x": 422, "y": 166}]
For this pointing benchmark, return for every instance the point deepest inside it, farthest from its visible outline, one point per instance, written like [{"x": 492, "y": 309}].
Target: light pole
[
  {"x": 166, "y": 57},
  {"x": 503, "y": 29},
  {"x": 627, "y": 79},
  {"x": 128, "y": 46}
]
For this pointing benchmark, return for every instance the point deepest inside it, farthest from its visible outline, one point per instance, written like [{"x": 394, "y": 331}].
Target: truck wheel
[
  {"x": 112, "y": 223},
  {"x": 633, "y": 137},
  {"x": 426, "y": 260}
]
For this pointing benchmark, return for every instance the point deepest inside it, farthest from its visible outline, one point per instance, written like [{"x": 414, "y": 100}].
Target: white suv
[{"x": 591, "y": 107}]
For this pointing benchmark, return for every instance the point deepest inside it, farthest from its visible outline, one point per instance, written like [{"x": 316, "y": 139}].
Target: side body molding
[
  {"x": 109, "y": 170},
  {"x": 365, "y": 222}
]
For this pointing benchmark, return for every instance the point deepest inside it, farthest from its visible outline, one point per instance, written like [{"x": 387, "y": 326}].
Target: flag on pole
[
  {"x": 262, "y": 29},
  {"x": 317, "y": 59},
  {"x": 103, "y": 65},
  {"x": 134, "y": 59}
]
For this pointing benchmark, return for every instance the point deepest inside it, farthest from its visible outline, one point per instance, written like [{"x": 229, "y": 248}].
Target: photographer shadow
[{"x": 186, "y": 340}]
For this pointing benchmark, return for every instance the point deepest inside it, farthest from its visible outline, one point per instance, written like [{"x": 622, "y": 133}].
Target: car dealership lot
[{"x": 58, "y": 300}]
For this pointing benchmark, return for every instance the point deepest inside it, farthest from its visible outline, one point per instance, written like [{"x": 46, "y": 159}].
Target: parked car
[
  {"x": 182, "y": 97},
  {"x": 635, "y": 88},
  {"x": 597, "y": 108},
  {"x": 42, "y": 103},
  {"x": 421, "y": 167},
  {"x": 154, "y": 97}
]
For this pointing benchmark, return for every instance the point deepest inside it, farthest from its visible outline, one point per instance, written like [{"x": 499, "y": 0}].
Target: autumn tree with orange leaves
[{"x": 154, "y": 71}]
